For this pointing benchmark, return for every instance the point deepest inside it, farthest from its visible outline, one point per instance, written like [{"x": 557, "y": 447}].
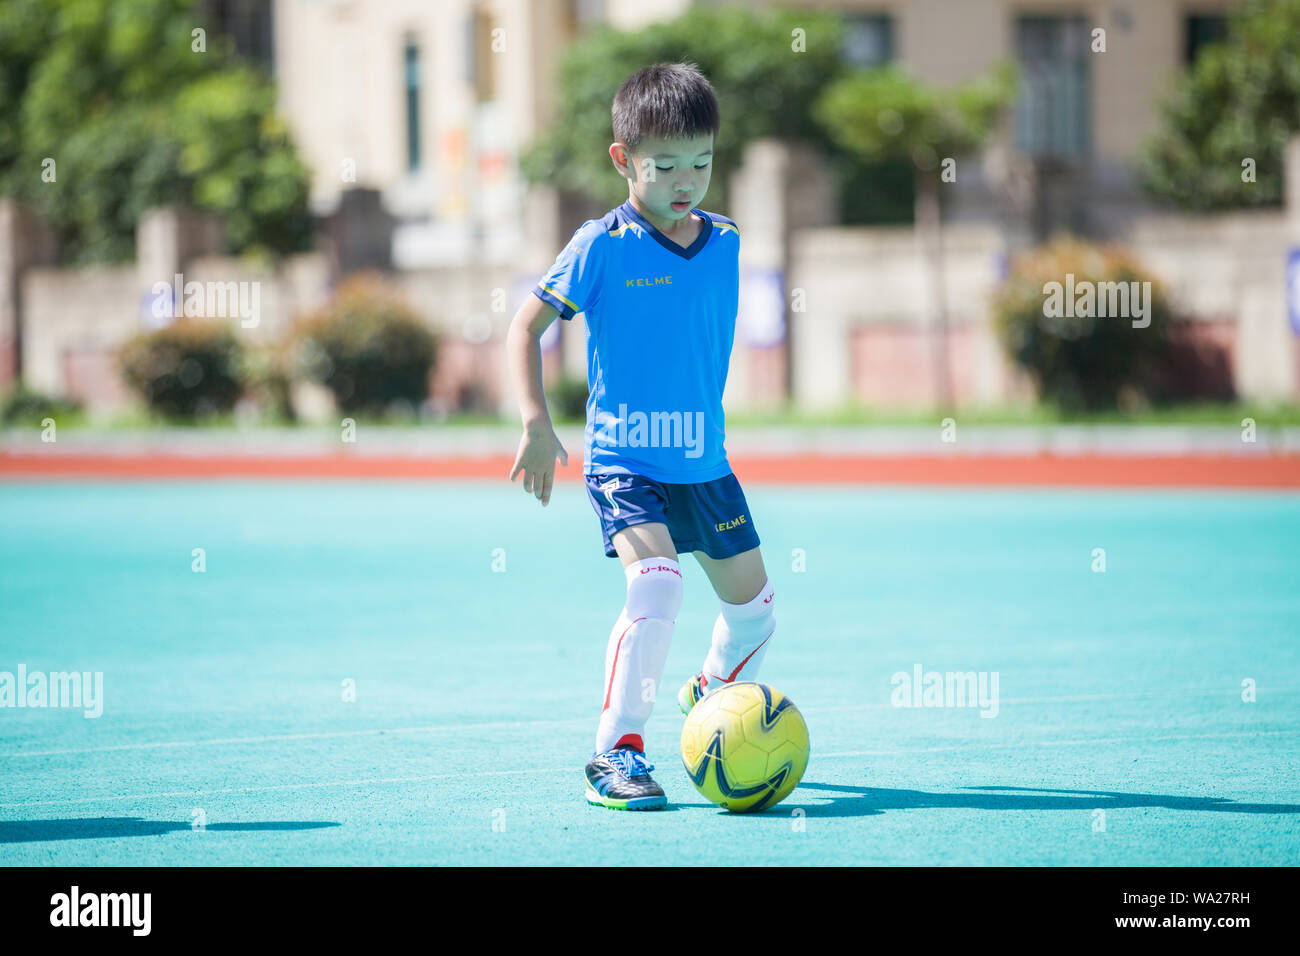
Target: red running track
[{"x": 1132, "y": 471}]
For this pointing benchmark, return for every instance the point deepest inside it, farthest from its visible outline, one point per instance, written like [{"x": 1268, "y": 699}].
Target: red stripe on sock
[
  {"x": 728, "y": 680},
  {"x": 631, "y": 740},
  {"x": 610, "y": 687}
]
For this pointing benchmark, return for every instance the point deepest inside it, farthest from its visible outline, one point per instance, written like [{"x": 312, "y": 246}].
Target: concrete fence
[{"x": 828, "y": 314}]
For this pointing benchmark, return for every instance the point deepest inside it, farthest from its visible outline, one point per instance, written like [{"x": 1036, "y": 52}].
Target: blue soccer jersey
[{"x": 660, "y": 324}]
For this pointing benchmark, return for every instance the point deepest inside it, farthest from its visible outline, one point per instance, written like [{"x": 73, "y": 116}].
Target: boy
[{"x": 658, "y": 281}]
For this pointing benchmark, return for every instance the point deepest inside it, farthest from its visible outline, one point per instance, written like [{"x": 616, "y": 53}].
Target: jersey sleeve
[{"x": 573, "y": 283}]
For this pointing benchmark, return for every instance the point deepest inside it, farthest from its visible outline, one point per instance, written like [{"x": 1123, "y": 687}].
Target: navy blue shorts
[{"x": 708, "y": 516}]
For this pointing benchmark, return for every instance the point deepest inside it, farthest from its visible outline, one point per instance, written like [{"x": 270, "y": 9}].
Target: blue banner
[{"x": 1293, "y": 290}]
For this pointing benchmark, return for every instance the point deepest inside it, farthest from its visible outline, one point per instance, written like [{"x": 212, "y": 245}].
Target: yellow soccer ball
[{"x": 745, "y": 746}]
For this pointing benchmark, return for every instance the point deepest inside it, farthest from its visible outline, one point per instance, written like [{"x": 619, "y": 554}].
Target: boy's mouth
[{"x": 682, "y": 205}]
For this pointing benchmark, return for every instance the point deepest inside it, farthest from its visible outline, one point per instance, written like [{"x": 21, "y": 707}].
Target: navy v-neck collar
[{"x": 686, "y": 252}]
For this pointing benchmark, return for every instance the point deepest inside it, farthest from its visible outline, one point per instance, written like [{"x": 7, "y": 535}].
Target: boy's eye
[{"x": 703, "y": 166}]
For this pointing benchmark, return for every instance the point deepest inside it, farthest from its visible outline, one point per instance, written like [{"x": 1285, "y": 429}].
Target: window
[
  {"x": 411, "y": 59},
  {"x": 248, "y": 23},
  {"x": 1201, "y": 30},
  {"x": 1052, "y": 114},
  {"x": 868, "y": 40}
]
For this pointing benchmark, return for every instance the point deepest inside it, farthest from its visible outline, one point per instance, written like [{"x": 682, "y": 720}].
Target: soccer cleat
[
  {"x": 620, "y": 779},
  {"x": 690, "y": 694}
]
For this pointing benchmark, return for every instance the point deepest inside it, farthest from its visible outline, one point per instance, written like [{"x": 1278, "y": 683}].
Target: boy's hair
[{"x": 667, "y": 100}]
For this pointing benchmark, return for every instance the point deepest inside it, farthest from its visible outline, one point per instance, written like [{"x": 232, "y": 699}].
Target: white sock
[
  {"x": 637, "y": 649},
  {"x": 741, "y": 635}
]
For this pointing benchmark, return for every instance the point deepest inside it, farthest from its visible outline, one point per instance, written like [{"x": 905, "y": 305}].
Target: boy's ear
[{"x": 621, "y": 157}]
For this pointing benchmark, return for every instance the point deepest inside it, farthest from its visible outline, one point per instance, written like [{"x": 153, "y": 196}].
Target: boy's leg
[
  {"x": 648, "y": 540},
  {"x": 744, "y": 627},
  {"x": 738, "y": 579},
  {"x": 638, "y": 644}
]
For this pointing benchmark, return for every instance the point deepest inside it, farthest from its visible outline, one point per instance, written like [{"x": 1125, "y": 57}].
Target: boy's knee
[
  {"x": 753, "y": 620},
  {"x": 654, "y": 588}
]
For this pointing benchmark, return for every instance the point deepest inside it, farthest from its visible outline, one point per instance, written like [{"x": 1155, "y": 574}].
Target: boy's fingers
[
  {"x": 519, "y": 461},
  {"x": 564, "y": 456},
  {"x": 546, "y": 488}
]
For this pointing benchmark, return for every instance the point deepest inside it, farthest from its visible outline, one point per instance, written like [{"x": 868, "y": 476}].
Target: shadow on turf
[
  {"x": 100, "y": 828},
  {"x": 871, "y": 800}
]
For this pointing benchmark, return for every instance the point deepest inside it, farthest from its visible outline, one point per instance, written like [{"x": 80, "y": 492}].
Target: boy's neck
[{"x": 666, "y": 227}]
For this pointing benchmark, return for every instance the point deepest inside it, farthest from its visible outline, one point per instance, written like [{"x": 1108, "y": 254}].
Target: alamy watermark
[
  {"x": 660, "y": 429},
  {"x": 946, "y": 689},
  {"x": 129, "y": 910},
  {"x": 66, "y": 689},
  {"x": 1086, "y": 299},
  {"x": 194, "y": 299}
]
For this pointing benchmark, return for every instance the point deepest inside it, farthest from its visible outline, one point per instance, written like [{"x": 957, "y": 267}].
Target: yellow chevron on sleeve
[
  {"x": 572, "y": 305},
  {"x": 725, "y": 227}
]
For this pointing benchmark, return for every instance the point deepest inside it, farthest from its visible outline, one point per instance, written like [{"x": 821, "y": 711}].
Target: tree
[
  {"x": 134, "y": 114},
  {"x": 767, "y": 68},
  {"x": 1240, "y": 101},
  {"x": 885, "y": 114}
]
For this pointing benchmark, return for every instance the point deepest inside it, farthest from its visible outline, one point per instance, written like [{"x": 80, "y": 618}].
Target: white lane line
[
  {"x": 1056, "y": 743},
  {"x": 286, "y": 786},
  {"x": 496, "y": 773},
  {"x": 1227, "y": 693},
  {"x": 525, "y": 724},
  {"x": 276, "y": 738}
]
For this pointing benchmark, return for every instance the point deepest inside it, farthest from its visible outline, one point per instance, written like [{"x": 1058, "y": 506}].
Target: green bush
[
  {"x": 1240, "y": 100},
  {"x": 191, "y": 369},
  {"x": 1086, "y": 361},
  {"x": 22, "y": 406},
  {"x": 140, "y": 119},
  {"x": 368, "y": 348},
  {"x": 568, "y": 397}
]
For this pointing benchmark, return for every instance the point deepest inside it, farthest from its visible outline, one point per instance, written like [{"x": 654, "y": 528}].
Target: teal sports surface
[{"x": 1147, "y": 714}]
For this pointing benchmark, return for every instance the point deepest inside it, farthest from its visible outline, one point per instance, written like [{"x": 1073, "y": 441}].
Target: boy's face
[{"x": 667, "y": 176}]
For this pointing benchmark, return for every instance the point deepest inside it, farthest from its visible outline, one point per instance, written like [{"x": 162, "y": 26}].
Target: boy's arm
[{"x": 539, "y": 445}]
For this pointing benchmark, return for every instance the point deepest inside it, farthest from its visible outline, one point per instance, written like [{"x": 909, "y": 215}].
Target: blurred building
[
  {"x": 412, "y": 114},
  {"x": 436, "y": 100},
  {"x": 1092, "y": 74},
  {"x": 430, "y": 103}
]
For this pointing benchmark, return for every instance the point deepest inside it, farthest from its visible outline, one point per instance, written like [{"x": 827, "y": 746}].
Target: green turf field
[{"x": 477, "y": 690}]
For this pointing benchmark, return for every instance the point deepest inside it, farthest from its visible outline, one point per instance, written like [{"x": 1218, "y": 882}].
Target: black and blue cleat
[{"x": 620, "y": 779}]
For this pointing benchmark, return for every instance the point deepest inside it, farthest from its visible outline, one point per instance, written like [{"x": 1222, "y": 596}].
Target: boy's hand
[{"x": 538, "y": 449}]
